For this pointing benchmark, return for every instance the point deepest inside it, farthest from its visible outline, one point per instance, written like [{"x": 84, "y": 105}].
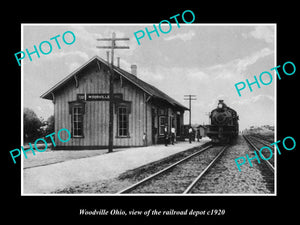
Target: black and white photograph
[
  {"x": 180, "y": 113},
  {"x": 132, "y": 114}
]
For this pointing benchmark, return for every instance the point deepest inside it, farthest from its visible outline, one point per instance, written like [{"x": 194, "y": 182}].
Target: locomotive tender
[{"x": 224, "y": 124}]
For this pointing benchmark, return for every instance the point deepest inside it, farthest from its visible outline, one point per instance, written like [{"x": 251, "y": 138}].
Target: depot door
[{"x": 154, "y": 126}]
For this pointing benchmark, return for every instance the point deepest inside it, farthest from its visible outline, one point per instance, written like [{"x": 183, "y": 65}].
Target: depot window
[
  {"x": 162, "y": 120},
  {"x": 76, "y": 110},
  {"x": 123, "y": 111},
  {"x": 162, "y": 123}
]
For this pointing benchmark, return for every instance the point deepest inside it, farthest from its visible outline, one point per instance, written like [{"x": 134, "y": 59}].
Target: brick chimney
[{"x": 134, "y": 70}]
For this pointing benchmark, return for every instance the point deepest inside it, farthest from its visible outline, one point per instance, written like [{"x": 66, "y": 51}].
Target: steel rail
[
  {"x": 269, "y": 165},
  {"x": 190, "y": 187},
  {"x": 132, "y": 187},
  {"x": 261, "y": 141},
  {"x": 260, "y": 137}
]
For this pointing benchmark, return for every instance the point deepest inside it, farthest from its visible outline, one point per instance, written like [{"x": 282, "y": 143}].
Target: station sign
[{"x": 98, "y": 97}]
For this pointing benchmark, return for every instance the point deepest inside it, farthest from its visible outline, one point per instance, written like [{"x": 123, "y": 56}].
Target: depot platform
[{"x": 48, "y": 178}]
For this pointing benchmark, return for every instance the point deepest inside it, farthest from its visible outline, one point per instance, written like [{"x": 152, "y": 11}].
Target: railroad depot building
[{"x": 141, "y": 111}]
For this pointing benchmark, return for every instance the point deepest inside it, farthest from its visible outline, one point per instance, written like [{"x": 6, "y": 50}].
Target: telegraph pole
[
  {"x": 190, "y": 98},
  {"x": 111, "y": 86}
]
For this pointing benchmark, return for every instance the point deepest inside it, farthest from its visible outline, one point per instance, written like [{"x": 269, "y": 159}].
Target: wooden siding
[{"x": 96, "y": 117}]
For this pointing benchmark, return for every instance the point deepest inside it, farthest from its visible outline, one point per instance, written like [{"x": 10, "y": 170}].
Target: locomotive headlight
[{"x": 220, "y": 106}]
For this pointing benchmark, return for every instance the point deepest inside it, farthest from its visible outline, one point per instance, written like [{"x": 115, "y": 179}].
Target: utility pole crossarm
[
  {"x": 111, "y": 39},
  {"x": 123, "y": 47}
]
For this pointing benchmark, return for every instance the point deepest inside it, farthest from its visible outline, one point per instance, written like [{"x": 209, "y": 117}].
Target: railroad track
[
  {"x": 262, "y": 141},
  {"x": 181, "y": 165},
  {"x": 259, "y": 143},
  {"x": 252, "y": 144},
  {"x": 267, "y": 139}
]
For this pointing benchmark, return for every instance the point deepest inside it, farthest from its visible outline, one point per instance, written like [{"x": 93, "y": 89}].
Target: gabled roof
[{"x": 148, "y": 88}]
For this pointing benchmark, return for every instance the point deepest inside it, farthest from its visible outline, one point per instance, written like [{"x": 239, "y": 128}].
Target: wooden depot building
[{"x": 141, "y": 111}]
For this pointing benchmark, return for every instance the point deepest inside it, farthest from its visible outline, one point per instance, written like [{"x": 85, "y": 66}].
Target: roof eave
[
  {"x": 66, "y": 79},
  {"x": 49, "y": 94}
]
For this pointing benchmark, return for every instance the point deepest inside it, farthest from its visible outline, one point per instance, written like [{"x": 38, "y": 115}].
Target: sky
[{"x": 205, "y": 60}]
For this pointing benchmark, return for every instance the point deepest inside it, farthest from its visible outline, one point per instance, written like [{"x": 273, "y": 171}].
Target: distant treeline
[{"x": 35, "y": 127}]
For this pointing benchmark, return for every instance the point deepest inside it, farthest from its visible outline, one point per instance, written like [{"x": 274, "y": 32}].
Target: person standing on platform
[
  {"x": 198, "y": 134},
  {"x": 190, "y": 134},
  {"x": 145, "y": 139},
  {"x": 166, "y": 135},
  {"x": 173, "y": 135}
]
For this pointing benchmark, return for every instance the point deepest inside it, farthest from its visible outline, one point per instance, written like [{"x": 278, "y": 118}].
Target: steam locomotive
[{"x": 224, "y": 124}]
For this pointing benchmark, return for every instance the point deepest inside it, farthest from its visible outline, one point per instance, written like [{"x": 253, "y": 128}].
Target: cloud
[
  {"x": 254, "y": 99},
  {"x": 242, "y": 64},
  {"x": 265, "y": 33},
  {"x": 182, "y": 36},
  {"x": 195, "y": 74},
  {"x": 82, "y": 34},
  {"x": 68, "y": 57},
  {"x": 237, "y": 67},
  {"x": 255, "y": 110},
  {"x": 73, "y": 65},
  {"x": 75, "y": 53},
  {"x": 179, "y": 74}
]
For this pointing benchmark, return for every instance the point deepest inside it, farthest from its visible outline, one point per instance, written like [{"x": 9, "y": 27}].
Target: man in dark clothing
[{"x": 198, "y": 134}]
